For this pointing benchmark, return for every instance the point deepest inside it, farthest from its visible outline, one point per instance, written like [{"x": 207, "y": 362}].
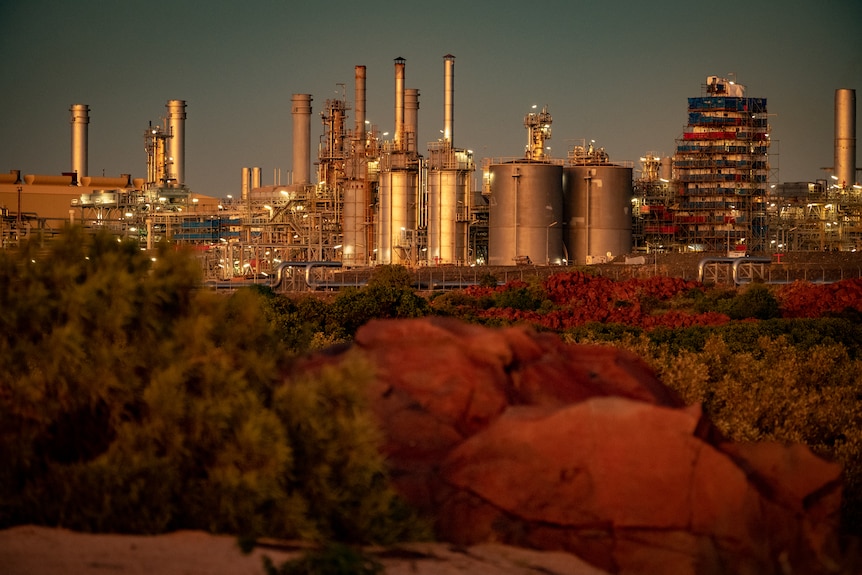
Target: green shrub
[
  {"x": 133, "y": 401},
  {"x": 331, "y": 559},
  {"x": 391, "y": 275}
]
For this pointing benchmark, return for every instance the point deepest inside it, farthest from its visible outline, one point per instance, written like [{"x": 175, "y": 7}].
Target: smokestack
[
  {"x": 845, "y": 136},
  {"x": 411, "y": 118},
  {"x": 256, "y": 178},
  {"x": 448, "y": 97},
  {"x": 399, "y": 103},
  {"x": 177, "y": 141},
  {"x": 359, "y": 103},
  {"x": 301, "y": 138},
  {"x": 246, "y": 183},
  {"x": 80, "y": 119}
]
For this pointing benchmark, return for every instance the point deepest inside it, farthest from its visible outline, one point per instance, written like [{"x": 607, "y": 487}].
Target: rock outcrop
[{"x": 512, "y": 436}]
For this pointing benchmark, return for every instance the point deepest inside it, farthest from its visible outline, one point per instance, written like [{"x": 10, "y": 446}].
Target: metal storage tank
[
  {"x": 525, "y": 213},
  {"x": 354, "y": 250},
  {"x": 447, "y": 230},
  {"x": 597, "y": 210},
  {"x": 396, "y": 217}
]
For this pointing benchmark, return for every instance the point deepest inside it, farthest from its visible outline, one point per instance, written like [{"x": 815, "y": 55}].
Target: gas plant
[
  {"x": 381, "y": 201},
  {"x": 374, "y": 201}
]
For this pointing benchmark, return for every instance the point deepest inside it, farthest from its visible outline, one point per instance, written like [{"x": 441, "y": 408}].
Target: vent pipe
[
  {"x": 448, "y": 97},
  {"x": 359, "y": 104},
  {"x": 177, "y": 141},
  {"x": 301, "y": 138},
  {"x": 399, "y": 104},
  {"x": 845, "y": 136},
  {"x": 411, "y": 118},
  {"x": 80, "y": 119}
]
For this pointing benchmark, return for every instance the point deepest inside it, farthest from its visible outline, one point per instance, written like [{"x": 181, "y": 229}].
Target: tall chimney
[
  {"x": 301, "y": 138},
  {"x": 177, "y": 141},
  {"x": 256, "y": 177},
  {"x": 80, "y": 119},
  {"x": 411, "y": 118},
  {"x": 845, "y": 136},
  {"x": 448, "y": 97},
  {"x": 359, "y": 104},
  {"x": 399, "y": 104},
  {"x": 246, "y": 183}
]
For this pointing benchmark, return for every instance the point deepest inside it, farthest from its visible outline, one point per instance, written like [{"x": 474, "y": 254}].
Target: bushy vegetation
[{"x": 132, "y": 401}]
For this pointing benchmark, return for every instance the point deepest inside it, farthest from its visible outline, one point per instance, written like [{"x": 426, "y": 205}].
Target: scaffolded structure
[
  {"x": 722, "y": 171},
  {"x": 653, "y": 209}
]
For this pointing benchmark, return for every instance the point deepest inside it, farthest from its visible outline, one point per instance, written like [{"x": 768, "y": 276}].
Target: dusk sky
[{"x": 617, "y": 72}]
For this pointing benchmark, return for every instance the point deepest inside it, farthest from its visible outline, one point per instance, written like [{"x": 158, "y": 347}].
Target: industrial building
[
  {"x": 719, "y": 192},
  {"x": 382, "y": 201}
]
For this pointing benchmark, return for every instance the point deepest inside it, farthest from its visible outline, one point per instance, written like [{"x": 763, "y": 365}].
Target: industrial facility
[{"x": 391, "y": 201}]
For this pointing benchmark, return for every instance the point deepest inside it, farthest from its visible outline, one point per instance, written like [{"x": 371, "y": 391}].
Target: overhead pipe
[
  {"x": 177, "y": 141},
  {"x": 448, "y": 97},
  {"x": 80, "y": 119},
  {"x": 845, "y": 136},
  {"x": 301, "y": 112}
]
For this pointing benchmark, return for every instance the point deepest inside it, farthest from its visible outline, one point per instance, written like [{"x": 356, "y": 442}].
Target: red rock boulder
[{"x": 512, "y": 436}]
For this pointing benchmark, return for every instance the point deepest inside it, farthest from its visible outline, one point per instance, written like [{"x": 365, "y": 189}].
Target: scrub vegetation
[{"x": 132, "y": 401}]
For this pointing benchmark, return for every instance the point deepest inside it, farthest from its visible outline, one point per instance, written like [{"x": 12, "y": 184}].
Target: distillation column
[
  {"x": 80, "y": 119},
  {"x": 399, "y": 176},
  {"x": 177, "y": 141},
  {"x": 845, "y": 137},
  {"x": 353, "y": 221}
]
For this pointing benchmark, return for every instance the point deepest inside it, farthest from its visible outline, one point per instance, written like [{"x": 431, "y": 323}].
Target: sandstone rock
[{"x": 513, "y": 436}]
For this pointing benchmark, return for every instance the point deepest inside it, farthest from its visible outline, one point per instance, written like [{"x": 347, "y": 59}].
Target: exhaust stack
[
  {"x": 301, "y": 138},
  {"x": 845, "y": 136},
  {"x": 177, "y": 141},
  {"x": 399, "y": 104},
  {"x": 359, "y": 104},
  {"x": 411, "y": 118},
  {"x": 448, "y": 97},
  {"x": 80, "y": 119}
]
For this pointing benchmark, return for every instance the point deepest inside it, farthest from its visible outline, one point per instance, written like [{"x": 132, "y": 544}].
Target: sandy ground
[{"x": 30, "y": 550}]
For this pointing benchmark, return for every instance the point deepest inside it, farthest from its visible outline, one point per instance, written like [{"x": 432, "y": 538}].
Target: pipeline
[{"x": 736, "y": 264}]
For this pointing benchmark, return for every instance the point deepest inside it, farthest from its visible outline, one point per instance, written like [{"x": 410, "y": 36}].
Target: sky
[{"x": 615, "y": 71}]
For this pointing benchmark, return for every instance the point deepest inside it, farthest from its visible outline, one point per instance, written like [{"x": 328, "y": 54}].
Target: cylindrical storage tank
[
  {"x": 177, "y": 141},
  {"x": 666, "y": 170},
  {"x": 597, "y": 205},
  {"x": 447, "y": 189},
  {"x": 845, "y": 136},
  {"x": 525, "y": 213},
  {"x": 301, "y": 111},
  {"x": 80, "y": 119},
  {"x": 396, "y": 216},
  {"x": 354, "y": 251}
]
